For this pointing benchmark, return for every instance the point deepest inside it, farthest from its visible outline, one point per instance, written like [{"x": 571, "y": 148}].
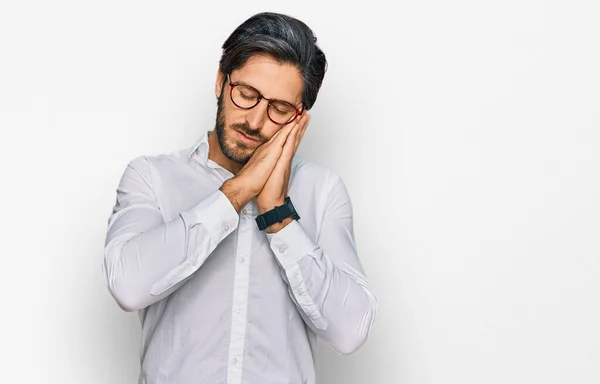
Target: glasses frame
[{"x": 258, "y": 100}]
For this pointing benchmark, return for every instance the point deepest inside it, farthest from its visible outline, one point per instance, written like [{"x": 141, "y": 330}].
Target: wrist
[
  {"x": 278, "y": 226},
  {"x": 235, "y": 192},
  {"x": 265, "y": 207}
]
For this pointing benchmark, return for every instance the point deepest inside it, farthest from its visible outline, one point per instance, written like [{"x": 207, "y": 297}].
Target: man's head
[{"x": 269, "y": 56}]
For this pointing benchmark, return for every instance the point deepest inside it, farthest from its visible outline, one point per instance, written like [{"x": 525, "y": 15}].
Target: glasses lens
[
  {"x": 244, "y": 97},
  {"x": 281, "y": 112}
]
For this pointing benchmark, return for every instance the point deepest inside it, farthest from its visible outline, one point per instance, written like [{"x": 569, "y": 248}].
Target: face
[{"x": 274, "y": 81}]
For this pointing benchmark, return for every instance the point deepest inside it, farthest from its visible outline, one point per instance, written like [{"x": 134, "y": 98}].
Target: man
[{"x": 229, "y": 288}]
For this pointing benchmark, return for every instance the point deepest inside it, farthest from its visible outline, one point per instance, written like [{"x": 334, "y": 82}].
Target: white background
[{"x": 467, "y": 132}]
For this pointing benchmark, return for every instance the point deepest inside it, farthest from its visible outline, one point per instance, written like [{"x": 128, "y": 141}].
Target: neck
[{"x": 215, "y": 154}]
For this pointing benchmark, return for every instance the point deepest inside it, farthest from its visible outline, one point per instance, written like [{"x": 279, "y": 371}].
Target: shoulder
[
  {"x": 149, "y": 163},
  {"x": 319, "y": 175},
  {"x": 176, "y": 157}
]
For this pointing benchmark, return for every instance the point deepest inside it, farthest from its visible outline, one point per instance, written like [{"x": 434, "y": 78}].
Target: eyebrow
[{"x": 256, "y": 89}]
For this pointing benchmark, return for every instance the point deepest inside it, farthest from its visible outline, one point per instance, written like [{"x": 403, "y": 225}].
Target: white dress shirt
[{"x": 219, "y": 300}]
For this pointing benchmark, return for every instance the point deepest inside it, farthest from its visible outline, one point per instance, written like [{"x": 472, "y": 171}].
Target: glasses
[{"x": 246, "y": 97}]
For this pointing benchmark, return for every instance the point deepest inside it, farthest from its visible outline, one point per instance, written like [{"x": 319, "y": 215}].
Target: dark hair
[{"x": 284, "y": 38}]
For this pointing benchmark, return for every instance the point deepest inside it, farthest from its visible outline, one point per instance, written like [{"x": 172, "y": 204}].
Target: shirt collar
[{"x": 201, "y": 148}]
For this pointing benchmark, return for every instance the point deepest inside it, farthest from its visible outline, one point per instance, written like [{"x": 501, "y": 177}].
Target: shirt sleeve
[
  {"x": 147, "y": 258},
  {"x": 326, "y": 279}
]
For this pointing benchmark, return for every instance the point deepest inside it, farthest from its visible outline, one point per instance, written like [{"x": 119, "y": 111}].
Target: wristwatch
[{"x": 277, "y": 214}]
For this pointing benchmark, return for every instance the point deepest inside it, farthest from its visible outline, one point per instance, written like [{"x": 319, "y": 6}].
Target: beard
[{"x": 239, "y": 152}]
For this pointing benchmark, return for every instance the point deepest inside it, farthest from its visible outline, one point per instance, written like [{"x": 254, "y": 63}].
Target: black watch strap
[{"x": 277, "y": 215}]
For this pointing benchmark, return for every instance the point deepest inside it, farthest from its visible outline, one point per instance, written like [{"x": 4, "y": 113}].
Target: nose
[{"x": 257, "y": 116}]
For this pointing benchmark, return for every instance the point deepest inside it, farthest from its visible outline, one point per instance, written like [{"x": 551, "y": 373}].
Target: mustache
[{"x": 245, "y": 129}]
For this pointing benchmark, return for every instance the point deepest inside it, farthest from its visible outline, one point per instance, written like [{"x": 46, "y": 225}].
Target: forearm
[
  {"x": 335, "y": 299},
  {"x": 133, "y": 265},
  {"x": 144, "y": 266},
  {"x": 343, "y": 304}
]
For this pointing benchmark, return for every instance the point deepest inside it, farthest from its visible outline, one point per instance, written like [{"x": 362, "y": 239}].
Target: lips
[{"x": 247, "y": 139}]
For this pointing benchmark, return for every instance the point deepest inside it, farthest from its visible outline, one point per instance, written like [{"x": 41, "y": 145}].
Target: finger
[
  {"x": 301, "y": 132},
  {"x": 276, "y": 140},
  {"x": 288, "y": 149},
  {"x": 279, "y": 132},
  {"x": 305, "y": 126},
  {"x": 290, "y": 144},
  {"x": 283, "y": 167},
  {"x": 281, "y": 136},
  {"x": 297, "y": 137},
  {"x": 272, "y": 147},
  {"x": 284, "y": 162}
]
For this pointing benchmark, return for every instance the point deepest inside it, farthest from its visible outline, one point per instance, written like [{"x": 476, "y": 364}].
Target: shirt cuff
[
  {"x": 290, "y": 244},
  {"x": 214, "y": 216}
]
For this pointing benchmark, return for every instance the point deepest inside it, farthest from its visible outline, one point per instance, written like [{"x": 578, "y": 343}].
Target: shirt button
[
  {"x": 242, "y": 259},
  {"x": 226, "y": 227},
  {"x": 245, "y": 211},
  {"x": 282, "y": 250},
  {"x": 238, "y": 309},
  {"x": 234, "y": 361}
]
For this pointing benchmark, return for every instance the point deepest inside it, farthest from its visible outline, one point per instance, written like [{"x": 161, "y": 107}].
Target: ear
[{"x": 219, "y": 83}]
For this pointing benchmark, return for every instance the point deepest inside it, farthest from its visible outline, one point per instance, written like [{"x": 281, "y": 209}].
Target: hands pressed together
[{"x": 265, "y": 177}]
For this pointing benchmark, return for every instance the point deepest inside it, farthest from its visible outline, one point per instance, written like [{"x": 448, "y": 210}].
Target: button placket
[{"x": 240, "y": 296}]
